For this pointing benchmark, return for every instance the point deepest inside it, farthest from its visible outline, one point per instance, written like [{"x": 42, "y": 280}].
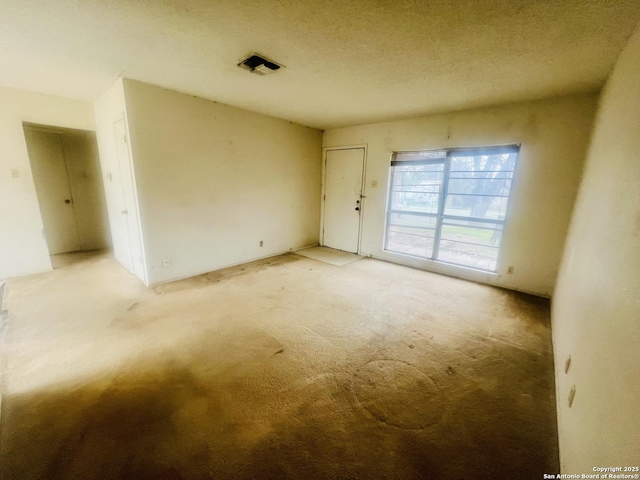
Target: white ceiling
[{"x": 348, "y": 61}]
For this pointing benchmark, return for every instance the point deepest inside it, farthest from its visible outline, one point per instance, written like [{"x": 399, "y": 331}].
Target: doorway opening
[{"x": 66, "y": 172}]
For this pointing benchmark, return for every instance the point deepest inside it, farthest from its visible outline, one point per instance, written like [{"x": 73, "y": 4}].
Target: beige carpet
[
  {"x": 285, "y": 368},
  {"x": 329, "y": 255}
]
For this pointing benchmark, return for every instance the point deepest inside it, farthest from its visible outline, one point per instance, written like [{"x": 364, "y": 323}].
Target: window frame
[{"x": 440, "y": 216}]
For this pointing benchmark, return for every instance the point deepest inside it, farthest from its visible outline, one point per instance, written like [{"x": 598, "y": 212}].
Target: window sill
[{"x": 446, "y": 265}]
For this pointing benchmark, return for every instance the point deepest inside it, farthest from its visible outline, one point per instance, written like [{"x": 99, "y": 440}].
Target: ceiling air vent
[{"x": 259, "y": 65}]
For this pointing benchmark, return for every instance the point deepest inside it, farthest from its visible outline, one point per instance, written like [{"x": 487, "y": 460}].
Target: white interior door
[
  {"x": 54, "y": 194},
  {"x": 342, "y": 198},
  {"x": 129, "y": 210},
  {"x": 122, "y": 248}
]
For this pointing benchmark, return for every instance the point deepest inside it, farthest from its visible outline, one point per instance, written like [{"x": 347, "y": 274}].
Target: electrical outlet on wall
[
  {"x": 166, "y": 262},
  {"x": 261, "y": 243},
  {"x": 510, "y": 270}
]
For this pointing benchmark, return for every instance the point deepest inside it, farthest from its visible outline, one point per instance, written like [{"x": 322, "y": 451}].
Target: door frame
[
  {"x": 60, "y": 131},
  {"x": 364, "y": 147}
]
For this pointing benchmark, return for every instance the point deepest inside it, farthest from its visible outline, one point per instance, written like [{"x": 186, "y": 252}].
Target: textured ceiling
[{"x": 348, "y": 61}]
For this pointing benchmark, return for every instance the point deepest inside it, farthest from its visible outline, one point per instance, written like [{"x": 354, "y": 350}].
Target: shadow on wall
[{"x": 409, "y": 405}]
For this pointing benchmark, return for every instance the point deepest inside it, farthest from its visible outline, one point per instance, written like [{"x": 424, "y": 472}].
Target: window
[{"x": 450, "y": 205}]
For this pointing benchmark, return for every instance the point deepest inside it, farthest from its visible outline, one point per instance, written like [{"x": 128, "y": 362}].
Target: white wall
[
  {"x": 23, "y": 248},
  {"x": 554, "y": 135},
  {"x": 596, "y": 306},
  {"x": 213, "y": 181}
]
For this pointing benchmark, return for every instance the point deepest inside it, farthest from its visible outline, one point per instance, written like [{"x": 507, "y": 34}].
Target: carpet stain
[{"x": 179, "y": 382}]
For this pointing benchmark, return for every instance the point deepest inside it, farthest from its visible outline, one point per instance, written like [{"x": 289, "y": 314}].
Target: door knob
[
  {"x": 67, "y": 201},
  {"x": 357, "y": 209}
]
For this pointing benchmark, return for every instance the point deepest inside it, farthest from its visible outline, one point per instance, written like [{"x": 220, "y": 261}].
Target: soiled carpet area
[
  {"x": 329, "y": 255},
  {"x": 283, "y": 368}
]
